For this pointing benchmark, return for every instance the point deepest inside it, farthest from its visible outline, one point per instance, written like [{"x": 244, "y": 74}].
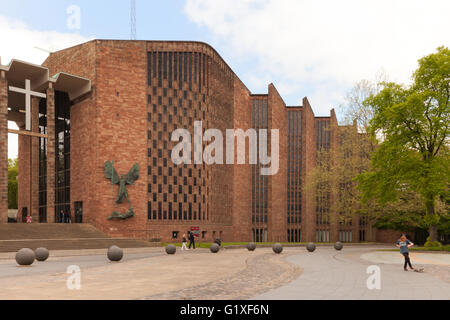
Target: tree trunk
[
  {"x": 433, "y": 233},
  {"x": 433, "y": 228}
]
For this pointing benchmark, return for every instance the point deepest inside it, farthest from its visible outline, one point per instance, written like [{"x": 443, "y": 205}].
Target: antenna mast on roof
[{"x": 133, "y": 19}]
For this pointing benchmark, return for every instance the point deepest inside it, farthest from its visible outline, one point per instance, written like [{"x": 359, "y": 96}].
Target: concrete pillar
[
  {"x": 51, "y": 155},
  {"x": 24, "y": 192},
  {"x": 34, "y": 186},
  {"x": 3, "y": 148}
]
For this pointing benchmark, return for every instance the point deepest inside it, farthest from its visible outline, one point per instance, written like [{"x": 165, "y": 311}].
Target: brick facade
[{"x": 141, "y": 92}]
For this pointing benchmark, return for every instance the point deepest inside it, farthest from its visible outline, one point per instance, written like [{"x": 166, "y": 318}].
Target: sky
[{"x": 318, "y": 49}]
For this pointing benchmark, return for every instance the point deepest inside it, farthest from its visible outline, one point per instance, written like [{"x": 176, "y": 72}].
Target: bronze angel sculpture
[{"x": 123, "y": 181}]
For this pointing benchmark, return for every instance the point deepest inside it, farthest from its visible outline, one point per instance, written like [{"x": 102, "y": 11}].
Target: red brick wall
[
  {"x": 242, "y": 195},
  {"x": 278, "y": 197},
  {"x": 334, "y": 223},
  {"x": 82, "y": 184},
  {"x": 79, "y": 60},
  {"x": 121, "y": 130},
  {"x": 219, "y": 109},
  {"x": 111, "y": 124},
  {"x": 309, "y": 162}
]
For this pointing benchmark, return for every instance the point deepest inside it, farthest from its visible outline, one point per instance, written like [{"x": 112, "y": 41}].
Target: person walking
[
  {"x": 404, "y": 244},
  {"x": 191, "y": 240},
  {"x": 63, "y": 217},
  {"x": 183, "y": 244}
]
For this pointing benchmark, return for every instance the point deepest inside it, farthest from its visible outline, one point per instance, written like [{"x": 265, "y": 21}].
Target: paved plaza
[
  {"x": 332, "y": 275},
  {"x": 149, "y": 273}
]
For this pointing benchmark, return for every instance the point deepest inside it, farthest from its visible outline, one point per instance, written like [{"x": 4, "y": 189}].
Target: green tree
[
  {"x": 13, "y": 171},
  {"x": 412, "y": 123},
  {"x": 337, "y": 168}
]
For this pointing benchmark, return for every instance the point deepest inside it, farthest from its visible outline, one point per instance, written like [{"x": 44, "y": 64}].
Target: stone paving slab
[
  {"x": 442, "y": 259},
  {"x": 231, "y": 274},
  {"x": 262, "y": 273},
  {"x": 129, "y": 279},
  {"x": 333, "y": 275}
]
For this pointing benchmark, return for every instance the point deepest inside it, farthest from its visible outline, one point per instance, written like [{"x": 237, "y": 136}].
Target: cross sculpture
[{"x": 28, "y": 94}]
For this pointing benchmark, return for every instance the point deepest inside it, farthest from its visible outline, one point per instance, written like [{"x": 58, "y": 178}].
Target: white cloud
[
  {"x": 325, "y": 45},
  {"x": 19, "y": 41}
]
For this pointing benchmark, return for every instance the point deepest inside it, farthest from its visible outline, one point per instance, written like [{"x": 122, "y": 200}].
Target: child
[
  {"x": 404, "y": 244},
  {"x": 183, "y": 245}
]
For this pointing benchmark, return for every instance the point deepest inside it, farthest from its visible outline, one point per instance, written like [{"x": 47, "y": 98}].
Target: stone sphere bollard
[
  {"x": 338, "y": 246},
  {"x": 42, "y": 254},
  {"x": 115, "y": 253},
  {"x": 251, "y": 246},
  {"x": 277, "y": 248},
  {"x": 25, "y": 257},
  {"x": 311, "y": 247},
  {"x": 171, "y": 249},
  {"x": 214, "y": 248}
]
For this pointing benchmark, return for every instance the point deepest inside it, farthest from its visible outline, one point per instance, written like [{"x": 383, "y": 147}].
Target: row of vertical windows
[
  {"x": 294, "y": 171},
  {"x": 189, "y": 67},
  {"x": 322, "y": 236},
  {"x": 259, "y": 235},
  {"x": 362, "y": 235},
  {"x": 294, "y": 235},
  {"x": 260, "y": 184},
  {"x": 175, "y": 192},
  {"x": 323, "y": 145},
  {"x": 174, "y": 212},
  {"x": 322, "y": 208},
  {"x": 43, "y": 161},
  {"x": 323, "y": 135},
  {"x": 345, "y": 236},
  {"x": 345, "y": 221},
  {"x": 62, "y": 145}
]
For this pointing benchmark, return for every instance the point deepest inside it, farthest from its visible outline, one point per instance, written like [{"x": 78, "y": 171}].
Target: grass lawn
[
  {"x": 207, "y": 245},
  {"x": 228, "y": 244}
]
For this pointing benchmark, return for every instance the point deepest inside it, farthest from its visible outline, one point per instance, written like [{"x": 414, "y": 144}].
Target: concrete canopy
[{"x": 17, "y": 72}]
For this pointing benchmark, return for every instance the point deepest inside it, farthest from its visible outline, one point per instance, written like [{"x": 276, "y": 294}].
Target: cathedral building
[{"x": 96, "y": 139}]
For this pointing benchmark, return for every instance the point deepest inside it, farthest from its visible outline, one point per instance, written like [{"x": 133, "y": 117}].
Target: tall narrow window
[
  {"x": 165, "y": 64},
  {"x": 175, "y": 66},
  {"x": 185, "y": 65},
  {"x": 170, "y": 69},
  {"x": 190, "y": 70},
  {"x": 160, "y": 69},
  {"x": 200, "y": 72},
  {"x": 180, "y": 70},
  {"x": 154, "y": 64},
  {"x": 204, "y": 69},
  {"x": 149, "y": 68},
  {"x": 195, "y": 67}
]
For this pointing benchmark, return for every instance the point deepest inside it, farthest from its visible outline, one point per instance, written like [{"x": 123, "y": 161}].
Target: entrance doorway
[
  {"x": 78, "y": 212},
  {"x": 24, "y": 215}
]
